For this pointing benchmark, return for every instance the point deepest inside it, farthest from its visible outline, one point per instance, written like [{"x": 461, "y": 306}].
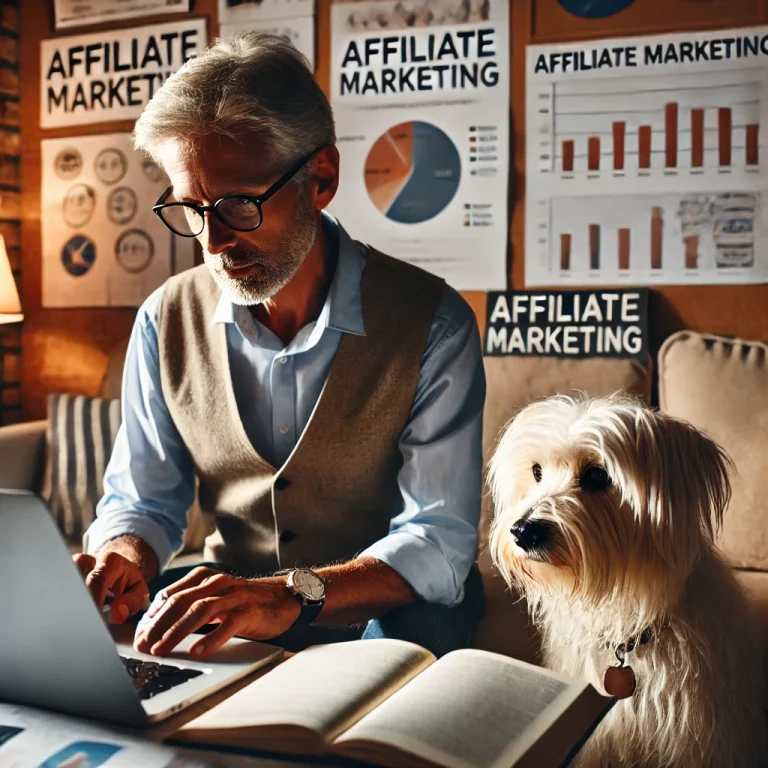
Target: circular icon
[
  {"x": 68, "y": 163},
  {"x": 152, "y": 170},
  {"x": 78, "y": 205},
  {"x": 121, "y": 205},
  {"x": 595, "y": 9},
  {"x": 78, "y": 255},
  {"x": 412, "y": 172},
  {"x": 134, "y": 250},
  {"x": 110, "y": 166}
]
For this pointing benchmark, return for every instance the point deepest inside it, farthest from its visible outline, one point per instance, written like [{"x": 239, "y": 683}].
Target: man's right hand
[{"x": 117, "y": 573}]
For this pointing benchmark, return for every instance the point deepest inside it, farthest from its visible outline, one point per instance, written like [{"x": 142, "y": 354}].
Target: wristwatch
[{"x": 309, "y": 589}]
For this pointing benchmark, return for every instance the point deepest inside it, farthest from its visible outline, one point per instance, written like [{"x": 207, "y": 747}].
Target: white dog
[{"x": 606, "y": 514}]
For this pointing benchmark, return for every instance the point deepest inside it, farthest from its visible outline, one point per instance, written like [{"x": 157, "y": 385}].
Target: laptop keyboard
[{"x": 150, "y": 677}]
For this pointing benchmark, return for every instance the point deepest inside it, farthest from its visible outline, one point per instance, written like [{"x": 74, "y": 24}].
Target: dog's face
[{"x": 603, "y": 499}]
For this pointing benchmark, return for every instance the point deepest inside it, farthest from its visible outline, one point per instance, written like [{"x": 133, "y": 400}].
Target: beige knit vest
[{"x": 338, "y": 491}]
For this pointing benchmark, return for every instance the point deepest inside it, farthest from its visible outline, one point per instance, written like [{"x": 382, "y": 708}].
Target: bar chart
[
  {"x": 638, "y": 236},
  {"x": 682, "y": 122},
  {"x": 646, "y": 161}
]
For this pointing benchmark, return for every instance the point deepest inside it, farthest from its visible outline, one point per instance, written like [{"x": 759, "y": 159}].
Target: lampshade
[{"x": 10, "y": 306}]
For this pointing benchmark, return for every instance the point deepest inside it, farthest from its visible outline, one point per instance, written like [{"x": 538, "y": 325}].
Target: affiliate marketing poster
[{"x": 422, "y": 114}]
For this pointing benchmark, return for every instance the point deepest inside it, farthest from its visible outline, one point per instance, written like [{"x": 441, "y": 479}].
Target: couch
[{"x": 718, "y": 384}]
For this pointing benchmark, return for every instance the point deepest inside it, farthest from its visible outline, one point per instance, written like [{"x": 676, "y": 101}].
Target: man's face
[{"x": 249, "y": 267}]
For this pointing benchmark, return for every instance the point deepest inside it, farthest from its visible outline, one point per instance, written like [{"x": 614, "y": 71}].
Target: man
[{"x": 328, "y": 398}]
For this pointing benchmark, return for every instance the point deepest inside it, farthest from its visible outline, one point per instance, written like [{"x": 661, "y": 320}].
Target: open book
[{"x": 392, "y": 703}]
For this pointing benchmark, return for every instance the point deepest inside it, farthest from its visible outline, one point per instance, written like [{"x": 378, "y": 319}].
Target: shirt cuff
[
  {"x": 107, "y": 527},
  {"x": 421, "y": 564}
]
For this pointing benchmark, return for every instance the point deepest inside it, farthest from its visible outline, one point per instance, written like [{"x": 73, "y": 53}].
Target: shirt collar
[{"x": 343, "y": 308}]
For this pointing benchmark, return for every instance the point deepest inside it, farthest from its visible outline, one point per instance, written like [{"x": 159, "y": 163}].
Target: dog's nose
[{"x": 529, "y": 534}]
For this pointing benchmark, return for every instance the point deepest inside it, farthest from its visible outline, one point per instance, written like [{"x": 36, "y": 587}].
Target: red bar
[
  {"x": 657, "y": 235},
  {"x": 565, "y": 251},
  {"x": 619, "y": 131},
  {"x": 644, "y": 146},
  {"x": 567, "y": 156},
  {"x": 697, "y": 138},
  {"x": 691, "y": 251},
  {"x": 594, "y": 246},
  {"x": 752, "y": 144},
  {"x": 670, "y": 132},
  {"x": 724, "y": 137},
  {"x": 624, "y": 248},
  {"x": 593, "y": 153}
]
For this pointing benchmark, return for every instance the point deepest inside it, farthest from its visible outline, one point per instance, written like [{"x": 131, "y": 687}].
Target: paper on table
[{"x": 31, "y": 737}]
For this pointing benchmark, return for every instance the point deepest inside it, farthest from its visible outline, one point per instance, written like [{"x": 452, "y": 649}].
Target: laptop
[{"x": 57, "y": 651}]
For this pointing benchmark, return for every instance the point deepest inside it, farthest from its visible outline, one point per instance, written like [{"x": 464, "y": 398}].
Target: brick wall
[{"x": 10, "y": 204}]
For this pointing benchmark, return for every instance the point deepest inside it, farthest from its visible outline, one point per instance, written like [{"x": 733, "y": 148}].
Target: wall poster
[
  {"x": 421, "y": 102},
  {"x": 102, "y": 244},
  {"x": 646, "y": 160}
]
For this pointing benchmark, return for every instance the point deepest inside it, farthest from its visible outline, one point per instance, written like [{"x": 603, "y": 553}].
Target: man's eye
[
  {"x": 594, "y": 479},
  {"x": 537, "y": 472}
]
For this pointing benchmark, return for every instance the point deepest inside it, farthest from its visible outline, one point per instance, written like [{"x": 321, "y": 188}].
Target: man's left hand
[{"x": 259, "y": 609}]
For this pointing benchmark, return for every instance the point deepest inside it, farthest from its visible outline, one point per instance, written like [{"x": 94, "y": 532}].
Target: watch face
[{"x": 309, "y": 584}]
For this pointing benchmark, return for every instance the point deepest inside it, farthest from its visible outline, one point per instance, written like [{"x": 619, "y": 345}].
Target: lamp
[{"x": 10, "y": 306}]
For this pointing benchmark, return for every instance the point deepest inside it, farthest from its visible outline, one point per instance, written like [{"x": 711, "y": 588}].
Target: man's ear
[{"x": 325, "y": 176}]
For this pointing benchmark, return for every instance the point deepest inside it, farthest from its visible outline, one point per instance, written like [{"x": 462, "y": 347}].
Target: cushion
[
  {"x": 720, "y": 385},
  {"x": 80, "y": 435},
  {"x": 514, "y": 382},
  {"x": 79, "y": 440}
]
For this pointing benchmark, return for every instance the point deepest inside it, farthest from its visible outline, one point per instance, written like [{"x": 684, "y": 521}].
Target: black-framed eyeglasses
[{"x": 236, "y": 211}]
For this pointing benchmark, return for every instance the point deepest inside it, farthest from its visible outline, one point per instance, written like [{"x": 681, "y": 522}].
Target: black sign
[{"x": 576, "y": 324}]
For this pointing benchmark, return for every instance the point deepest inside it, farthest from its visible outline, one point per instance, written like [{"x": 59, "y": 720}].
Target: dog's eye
[
  {"x": 594, "y": 479},
  {"x": 537, "y": 472}
]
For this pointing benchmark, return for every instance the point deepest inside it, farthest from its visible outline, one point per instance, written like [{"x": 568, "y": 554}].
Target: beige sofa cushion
[{"x": 720, "y": 385}]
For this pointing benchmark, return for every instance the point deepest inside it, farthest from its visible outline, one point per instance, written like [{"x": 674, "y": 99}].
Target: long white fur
[{"x": 638, "y": 555}]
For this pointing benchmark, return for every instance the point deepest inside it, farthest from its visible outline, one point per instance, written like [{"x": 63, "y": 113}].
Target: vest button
[
  {"x": 281, "y": 483},
  {"x": 286, "y": 537}
]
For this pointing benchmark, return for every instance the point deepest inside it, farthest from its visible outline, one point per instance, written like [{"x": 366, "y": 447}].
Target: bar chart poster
[
  {"x": 646, "y": 162},
  {"x": 422, "y": 114}
]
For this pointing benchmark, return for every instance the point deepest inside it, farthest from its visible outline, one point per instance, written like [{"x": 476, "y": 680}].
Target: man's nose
[{"x": 216, "y": 237}]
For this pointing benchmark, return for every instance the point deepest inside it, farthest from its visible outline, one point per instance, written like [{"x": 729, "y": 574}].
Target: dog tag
[{"x": 620, "y": 682}]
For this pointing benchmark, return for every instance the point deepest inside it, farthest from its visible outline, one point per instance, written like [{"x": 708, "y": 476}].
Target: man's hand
[
  {"x": 259, "y": 609},
  {"x": 123, "y": 567},
  {"x": 110, "y": 572}
]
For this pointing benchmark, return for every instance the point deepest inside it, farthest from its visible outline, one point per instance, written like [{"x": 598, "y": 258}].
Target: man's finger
[
  {"x": 200, "y": 613},
  {"x": 216, "y": 638},
  {"x": 163, "y": 615},
  {"x": 131, "y": 601},
  {"x": 101, "y": 579},
  {"x": 193, "y": 579},
  {"x": 84, "y": 563}
]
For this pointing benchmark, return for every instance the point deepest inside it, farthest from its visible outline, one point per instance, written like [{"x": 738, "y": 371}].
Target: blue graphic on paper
[
  {"x": 7, "y": 732},
  {"x": 78, "y": 255},
  {"x": 435, "y": 176},
  {"x": 594, "y": 9},
  {"x": 88, "y": 753}
]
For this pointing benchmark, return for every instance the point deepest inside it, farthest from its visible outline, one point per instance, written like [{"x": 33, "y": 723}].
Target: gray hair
[{"x": 250, "y": 84}]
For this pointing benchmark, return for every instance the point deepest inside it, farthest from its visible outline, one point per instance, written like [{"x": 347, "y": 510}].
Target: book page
[
  {"x": 324, "y": 689},
  {"x": 471, "y": 709}
]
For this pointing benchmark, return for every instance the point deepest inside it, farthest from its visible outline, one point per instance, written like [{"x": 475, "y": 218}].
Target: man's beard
[{"x": 273, "y": 270}]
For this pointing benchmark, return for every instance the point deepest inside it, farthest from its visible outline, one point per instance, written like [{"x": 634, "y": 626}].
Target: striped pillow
[{"x": 80, "y": 437}]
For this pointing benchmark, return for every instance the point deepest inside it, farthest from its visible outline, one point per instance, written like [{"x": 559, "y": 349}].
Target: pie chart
[{"x": 412, "y": 172}]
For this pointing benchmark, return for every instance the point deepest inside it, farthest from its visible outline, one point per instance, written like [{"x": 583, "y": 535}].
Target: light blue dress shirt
[{"x": 149, "y": 482}]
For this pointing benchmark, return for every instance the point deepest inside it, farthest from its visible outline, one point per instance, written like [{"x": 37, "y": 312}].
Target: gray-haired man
[{"x": 327, "y": 397}]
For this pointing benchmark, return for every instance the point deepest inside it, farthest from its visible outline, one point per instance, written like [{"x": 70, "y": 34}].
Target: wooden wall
[{"x": 65, "y": 350}]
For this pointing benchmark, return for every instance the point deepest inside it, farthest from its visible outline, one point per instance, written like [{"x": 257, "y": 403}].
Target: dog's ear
[{"x": 688, "y": 486}]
